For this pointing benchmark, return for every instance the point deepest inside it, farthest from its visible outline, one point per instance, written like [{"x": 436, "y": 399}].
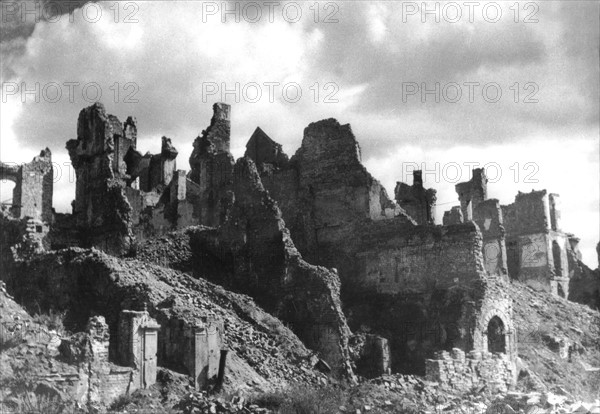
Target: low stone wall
[{"x": 459, "y": 372}]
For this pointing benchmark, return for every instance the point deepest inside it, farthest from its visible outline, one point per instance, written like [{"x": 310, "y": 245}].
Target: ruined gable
[{"x": 265, "y": 152}]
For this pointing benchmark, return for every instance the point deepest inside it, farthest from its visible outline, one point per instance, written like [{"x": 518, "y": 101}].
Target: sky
[{"x": 439, "y": 86}]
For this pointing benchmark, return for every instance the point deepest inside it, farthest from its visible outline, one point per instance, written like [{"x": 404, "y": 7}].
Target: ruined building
[
  {"x": 524, "y": 239},
  {"x": 313, "y": 238}
]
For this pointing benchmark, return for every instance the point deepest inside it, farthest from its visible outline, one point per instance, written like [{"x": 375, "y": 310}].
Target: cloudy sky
[{"x": 443, "y": 87}]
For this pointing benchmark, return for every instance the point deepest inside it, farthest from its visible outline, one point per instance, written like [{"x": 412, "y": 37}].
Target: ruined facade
[
  {"x": 412, "y": 284},
  {"x": 523, "y": 239}
]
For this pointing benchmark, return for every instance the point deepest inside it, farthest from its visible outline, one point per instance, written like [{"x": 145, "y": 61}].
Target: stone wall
[
  {"x": 584, "y": 283},
  {"x": 32, "y": 194},
  {"x": 101, "y": 209},
  {"x": 415, "y": 286},
  {"x": 137, "y": 345},
  {"x": 418, "y": 202},
  {"x": 399, "y": 258},
  {"x": 488, "y": 216},
  {"x": 252, "y": 252},
  {"x": 472, "y": 192},
  {"x": 212, "y": 167},
  {"x": 371, "y": 355},
  {"x": 456, "y": 371},
  {"x": 325, "y": 191},
  {"x": 98, "y": 382},
  {"x": 537, "y": 251},
  {"x": 264, "y": 151},
  {"x": 523, "y": 240}
]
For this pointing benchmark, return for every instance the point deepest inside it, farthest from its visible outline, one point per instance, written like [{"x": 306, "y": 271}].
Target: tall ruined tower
[
  {"x": 212, "y": 168},
  {"x": 101, "y": 210},
  {"x": 472, "y": 192}
]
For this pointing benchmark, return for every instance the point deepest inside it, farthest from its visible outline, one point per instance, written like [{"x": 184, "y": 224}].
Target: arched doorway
[
  {"x": 496, "y": 336},
  {"x": 557, "y": 258},
  {"x": 7, "y": 188}
]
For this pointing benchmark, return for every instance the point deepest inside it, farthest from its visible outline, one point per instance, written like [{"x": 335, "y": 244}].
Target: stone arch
[
  {"x": 481, "y": 335},
  {"x": 9, "y": 172},
  {"x": 496, "y": 336}
]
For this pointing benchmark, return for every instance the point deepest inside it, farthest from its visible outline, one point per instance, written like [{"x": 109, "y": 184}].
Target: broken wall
[
  {"x": 34, "y": 181},
  {"x": 404, "y": 257},
  {"x": 488, "y": 216},
  {"x": 212, "y": 167},
  {"x": 252, "y": 252},
  {"x": 472, "y": 192},
  {"x": 456, "y": 371},
  {"x": 537, "y": 252},
  {"x": 410, "y": 284},
  {"x": 418, "y": 202},
  {"x": 101, "y": 209},
  {"x": 584, "y": 283}
]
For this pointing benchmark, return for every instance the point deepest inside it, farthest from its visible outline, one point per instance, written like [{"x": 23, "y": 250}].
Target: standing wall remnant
[
  {"x": 252, "y": 252},
  {"x": 32, "y": 194},
  {"x": 488, "y": 216},
  {"x": 523, "y": 239},
  {"x": 138, "y": 345},
  {"x": 418, "y": 202},
  {"x": 459, "y": 372},
  {"x": 101, "y": 210},
  {"x": 212, "y": 168},
  {"x": 537, "y": 249},
  {"x": 207, "y": 343},
  {"x": 472, "y": 192}
]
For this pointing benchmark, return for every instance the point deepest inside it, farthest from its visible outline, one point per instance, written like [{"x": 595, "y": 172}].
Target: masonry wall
[
  {"x": 456, "y": 371},
  {"x": 488, "y": 216},
  {"x": 212, "y": 168},
  {"x": 472, "y": 192},
  {"x": 536, "y": 250},
  {"x": 101, "y": 209},
  {"x": 253, "y": 253},
  {"x": 32, "y": 194},
  {"x": 418, "y": 202},
  {"x": 404, "y": 257}
]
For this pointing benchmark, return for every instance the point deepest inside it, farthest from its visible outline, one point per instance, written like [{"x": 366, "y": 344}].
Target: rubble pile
[{"x": 202, "y": 403}]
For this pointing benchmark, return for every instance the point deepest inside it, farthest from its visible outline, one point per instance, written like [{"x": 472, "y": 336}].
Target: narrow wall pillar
[
  {"x": 207, "y": 352},
  {"x": 138, "y": 344}
]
